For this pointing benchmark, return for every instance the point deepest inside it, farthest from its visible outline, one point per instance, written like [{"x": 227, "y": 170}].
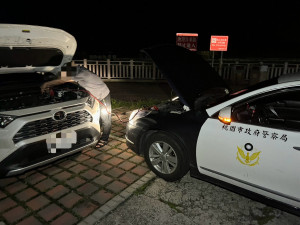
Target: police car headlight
[
  {"x": 136, "y": 114},
  {"x": 90, "y": 101},
  {"x": 5, "y": 120}
]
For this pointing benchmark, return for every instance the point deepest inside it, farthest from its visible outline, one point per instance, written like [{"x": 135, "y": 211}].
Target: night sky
[{"x": 254, "y": 30}]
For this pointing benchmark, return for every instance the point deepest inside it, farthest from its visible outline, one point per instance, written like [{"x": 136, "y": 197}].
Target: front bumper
[
  {"x": 36, "y": 154},
  {"x": 35, "y": 138},
  {"x": 133, "y": 137}
]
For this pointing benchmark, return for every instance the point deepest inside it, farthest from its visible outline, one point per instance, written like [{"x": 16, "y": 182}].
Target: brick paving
[{"x": 78, "y": 189}]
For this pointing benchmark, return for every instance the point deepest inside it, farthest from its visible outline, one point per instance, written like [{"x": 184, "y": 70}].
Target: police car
[{"x": 247, "y": 141}]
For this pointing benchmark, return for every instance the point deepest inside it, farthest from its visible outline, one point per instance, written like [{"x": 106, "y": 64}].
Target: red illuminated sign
[
  {"x": 218, "y": 43},
  {"x": 187, "y": 40}
]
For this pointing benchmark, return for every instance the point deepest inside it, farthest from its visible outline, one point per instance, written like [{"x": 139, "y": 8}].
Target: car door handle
[{"x": 297, "y": 148}]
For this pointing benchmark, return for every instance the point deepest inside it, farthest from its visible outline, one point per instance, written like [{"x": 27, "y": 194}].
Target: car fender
[
  {"x": 184, "y": 128},
  {"x": 180, "y": 141}
]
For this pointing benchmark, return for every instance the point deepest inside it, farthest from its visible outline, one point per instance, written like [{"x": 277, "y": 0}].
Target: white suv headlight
[
  {"x": 90, "y": 101},
  {"x": 5, "y": 120}
]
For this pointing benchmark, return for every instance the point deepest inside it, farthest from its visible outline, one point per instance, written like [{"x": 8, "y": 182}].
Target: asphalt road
[{"x": 191, "y": 201}]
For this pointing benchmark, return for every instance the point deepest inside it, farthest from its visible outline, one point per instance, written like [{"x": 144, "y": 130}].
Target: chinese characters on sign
[
  {"x": 257, "y": 133},
  {"x": 187, "y": 40},
  {"x": 218, "y": 43}
]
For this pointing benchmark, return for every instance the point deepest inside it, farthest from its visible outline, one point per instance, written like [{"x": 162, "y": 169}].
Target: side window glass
[{"x": 278, "y": 110}]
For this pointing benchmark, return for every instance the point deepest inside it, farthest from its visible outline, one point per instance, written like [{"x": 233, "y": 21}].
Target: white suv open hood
[{"x": 27, "y": 48}]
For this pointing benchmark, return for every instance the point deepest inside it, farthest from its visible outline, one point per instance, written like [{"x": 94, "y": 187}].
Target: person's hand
[{"x": 45, "y": 87}]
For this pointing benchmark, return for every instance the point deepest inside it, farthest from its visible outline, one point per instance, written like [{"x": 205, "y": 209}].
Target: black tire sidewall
[{"x": 182, "y": 164}]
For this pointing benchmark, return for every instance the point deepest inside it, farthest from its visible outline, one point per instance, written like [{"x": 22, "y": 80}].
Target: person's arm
[{"x": 53, "y": 83}]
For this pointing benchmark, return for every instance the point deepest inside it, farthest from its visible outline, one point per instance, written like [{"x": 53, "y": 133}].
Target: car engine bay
[{"x": 16, "y": 94}]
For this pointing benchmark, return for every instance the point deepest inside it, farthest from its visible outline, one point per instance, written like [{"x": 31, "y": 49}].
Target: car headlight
[
  {"x": 136, "y": 114},
  {"x": 90, "y": 101},
  {"x": 5, "y": 120}
]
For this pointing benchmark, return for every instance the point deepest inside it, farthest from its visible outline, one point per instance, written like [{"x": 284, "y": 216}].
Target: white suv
[{"x": 37, "y": 128}]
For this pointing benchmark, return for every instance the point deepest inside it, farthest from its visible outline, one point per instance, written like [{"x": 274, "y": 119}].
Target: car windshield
[{"x": 217, "y": 99}]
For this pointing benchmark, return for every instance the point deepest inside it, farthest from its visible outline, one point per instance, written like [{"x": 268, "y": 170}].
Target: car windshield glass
[{"x": 224, "y": 98}]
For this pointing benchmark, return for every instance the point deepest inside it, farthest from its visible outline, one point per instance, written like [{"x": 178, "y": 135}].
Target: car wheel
[{"x": 165, "y": 157}]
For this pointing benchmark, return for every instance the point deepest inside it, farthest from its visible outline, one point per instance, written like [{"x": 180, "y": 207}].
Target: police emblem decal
[{"x": 247, "y": 159}]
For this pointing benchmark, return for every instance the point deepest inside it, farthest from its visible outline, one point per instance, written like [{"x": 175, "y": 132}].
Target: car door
[{"x": 260, "y": 149}]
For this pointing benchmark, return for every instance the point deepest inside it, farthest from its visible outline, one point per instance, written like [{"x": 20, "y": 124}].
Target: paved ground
[
  {"x": 69, "y": 190},
  {"x": 191, "y": 202}
]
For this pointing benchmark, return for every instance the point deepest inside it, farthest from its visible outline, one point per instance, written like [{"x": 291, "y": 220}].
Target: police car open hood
[
  {"x": 27, "y": 48},
  {"x": 187, "y": 72}
]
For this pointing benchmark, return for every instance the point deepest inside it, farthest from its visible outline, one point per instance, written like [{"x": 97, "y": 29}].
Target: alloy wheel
[{"x": 163, "y": 157}]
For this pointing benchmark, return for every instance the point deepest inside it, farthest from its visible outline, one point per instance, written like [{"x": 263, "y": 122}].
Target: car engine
[
  {"x": 16, "y": 97},
  {"x": 174, "y": 106}
]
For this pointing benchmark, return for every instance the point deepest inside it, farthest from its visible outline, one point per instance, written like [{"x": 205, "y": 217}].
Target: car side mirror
[{"x": 225, "y": 115}]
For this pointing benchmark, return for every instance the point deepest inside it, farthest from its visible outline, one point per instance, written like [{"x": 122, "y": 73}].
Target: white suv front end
[{"x": 37, "y": 128}]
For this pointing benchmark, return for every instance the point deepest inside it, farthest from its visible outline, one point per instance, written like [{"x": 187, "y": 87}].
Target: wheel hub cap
[{"x": 163, "y": 157}]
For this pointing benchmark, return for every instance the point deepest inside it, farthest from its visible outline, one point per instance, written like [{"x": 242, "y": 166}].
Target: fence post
[
  {"x": 234, "y": 76},
  {"x": 144, "y": 72},
  {"x": 228, "y": 71},
  {"x": 285, "y": 67},
  {"x": 97, "y": 69},
  {"x": 120, "y": 75},
  {"x": 263, "y": 72},
  {"x": 247, "y": 71},
  {"x": 154, "y": 71},
  {"x": 272, "y": 71},
  {"x": 85, "y": 63},
  {"x": 131, "y": 69},
  {"x": 108, "y": 68},
  {"x": 221, "y": 64}
]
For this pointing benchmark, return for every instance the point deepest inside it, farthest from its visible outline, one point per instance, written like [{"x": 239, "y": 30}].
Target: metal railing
[
  {"x": 130, "y": 69},
  {"x": 248, "y": 68},
  {"x": 229, "y": 69}
]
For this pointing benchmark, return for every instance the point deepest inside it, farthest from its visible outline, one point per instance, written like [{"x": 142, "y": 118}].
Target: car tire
[{"x": 165, "y": 156}]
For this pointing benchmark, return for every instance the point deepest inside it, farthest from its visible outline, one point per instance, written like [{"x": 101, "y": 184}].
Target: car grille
[{"x": 49, "y": 125}]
